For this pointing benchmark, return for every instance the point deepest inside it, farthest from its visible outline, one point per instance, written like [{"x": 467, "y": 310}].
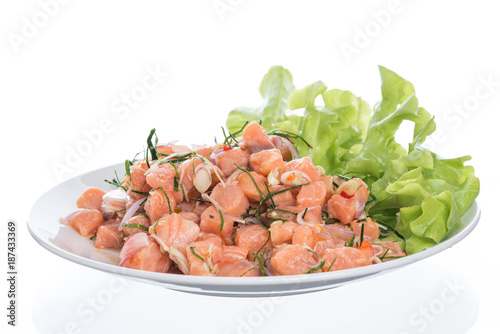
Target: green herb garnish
[
  {"x": 249, "y": 270},
  {"x": 221, "y": 221},
  {"x": 288, "y": 135},
  {"x": 151, "y": 147},
  {"x": 127, "y": 168},
  {"x": 142, "y": 227},
  {"x": 166, "y": 196},
  {"x": 201, "y": 258},
  {"x": 261, "y": 194},
  {"x": 331, "y": 265},
  {"x": 351, "y": 242}
]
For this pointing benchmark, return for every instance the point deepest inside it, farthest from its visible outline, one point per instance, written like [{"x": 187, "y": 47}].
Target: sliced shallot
[{"x": 132, "y": 245}]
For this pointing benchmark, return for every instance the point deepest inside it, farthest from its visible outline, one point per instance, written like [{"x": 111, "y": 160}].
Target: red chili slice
[{"x": 346, "y": 195}]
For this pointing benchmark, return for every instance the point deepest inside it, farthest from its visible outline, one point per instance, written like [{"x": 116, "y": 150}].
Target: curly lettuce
[{"x": 418, "y": 194}]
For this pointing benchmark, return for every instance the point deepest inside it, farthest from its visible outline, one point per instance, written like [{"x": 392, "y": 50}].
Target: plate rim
[{"x": 180, "y": 282}]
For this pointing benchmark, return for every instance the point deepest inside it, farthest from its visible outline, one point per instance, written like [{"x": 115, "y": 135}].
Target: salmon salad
[
  {"x": 246, "y": 207},
  {"x": 295, "y": 187}
]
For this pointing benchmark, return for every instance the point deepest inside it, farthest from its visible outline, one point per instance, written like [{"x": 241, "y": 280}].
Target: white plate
[{"x": 64, "y": 241}]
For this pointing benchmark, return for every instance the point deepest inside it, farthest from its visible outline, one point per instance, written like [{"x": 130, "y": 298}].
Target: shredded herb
[
  {"x": 144, "y": 201},
  {"x": 230, "y": 138},
  {"x": 177, "y": 179},
  {"x": 304, "y": 214},
  {"x": 166, "y": 196},
  {"x": 258, "y": 256},
  {"x": 273, "y": 205},
  {"x": 151, "y": 147},
  {"x": 331, "y": 265},
  {"x": 385, "y": 253},
  {"x": 154, "y": 225},
  {"x": 343, "y": 177},
  {"x": 393, "y": 230},
  {"x": 182, "y": 158},
  {"x": 362, "y": 234},
  {"x": 198, "y": 200},
  {"x": 127, "y": 168},
  {"x": 246, "y": 272},
  {"x": 201, "y": 258},
  {"x": 116, "y": 182},
  {"x": 318, "y": 267},
  {"x": 269, "y": 196},
  {"x": 351, "y": 242},
  {"x": 261, "y": 194},
  {"x": 105, "y": 212},
  {"x": 221, "y": 221},
  {"x": 142, "y": 227},
  {"x": 270, "y": 210},
  {"x": 211, "y": 216},
  {"x": 288, "y": 135},
  {"x": 92, "y": 237},
  {"x": 139, "y": 192},
  {"x": 325, "y": 214},
  {"x": 240, "y": 130},
  {"x": 146, "y": 157}
]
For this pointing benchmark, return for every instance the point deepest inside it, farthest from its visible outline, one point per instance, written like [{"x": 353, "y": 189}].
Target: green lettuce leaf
[
  {"x": 430, "y": 193},
  {"x": 275, "y": 89},
  {"x": 398, "y": 103},
  {"x": 417, "y": 193}
]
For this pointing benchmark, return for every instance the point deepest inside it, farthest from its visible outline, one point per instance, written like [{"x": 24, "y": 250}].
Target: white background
[{"x": 67, "y": 74}]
